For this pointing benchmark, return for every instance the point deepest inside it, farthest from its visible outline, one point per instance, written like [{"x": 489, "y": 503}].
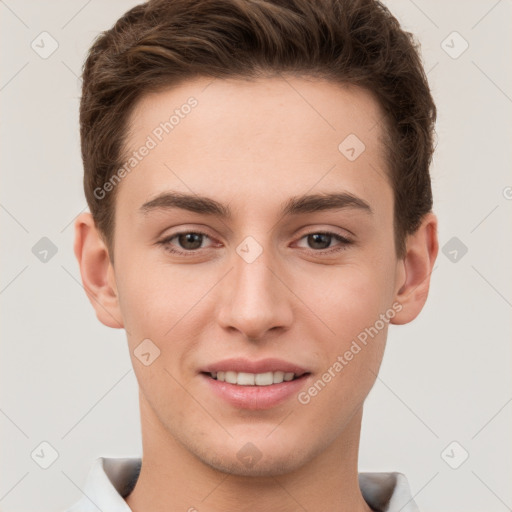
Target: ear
[
  {"x": 415, "y": 269},
  {"x": 97, "y": 272}
]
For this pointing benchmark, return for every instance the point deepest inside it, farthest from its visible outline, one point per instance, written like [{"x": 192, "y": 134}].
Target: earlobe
[
  {"x": 421, "y": 251},
  {"x": 97, "y": 272}
]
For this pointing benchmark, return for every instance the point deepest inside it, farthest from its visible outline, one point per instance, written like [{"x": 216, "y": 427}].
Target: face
[{"x": 246, "y": 278}]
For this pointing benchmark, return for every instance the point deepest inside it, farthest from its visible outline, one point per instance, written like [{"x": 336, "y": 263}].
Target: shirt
[{"x": 110, "y": 480}]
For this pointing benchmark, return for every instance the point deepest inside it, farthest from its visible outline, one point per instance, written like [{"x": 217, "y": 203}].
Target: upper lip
[{"x": 248, "y": 366}]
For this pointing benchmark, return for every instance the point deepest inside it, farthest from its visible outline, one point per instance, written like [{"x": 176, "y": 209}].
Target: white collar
[{"x": 110, "y": 480}]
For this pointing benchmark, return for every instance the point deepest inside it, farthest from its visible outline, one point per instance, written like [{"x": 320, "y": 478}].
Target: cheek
[
  {"x": 349, "y": 299},
  {"x": 163, "y": 305},
  {"x": 351, "y": 361},
  {"x": 154, "y": 298},
  {"x": 355, "y": 303},
  {"x": 157, "y": 308}
]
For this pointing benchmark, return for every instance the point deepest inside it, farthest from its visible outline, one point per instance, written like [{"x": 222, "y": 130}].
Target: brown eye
[
  {"x": 188, "y": 242},
  {"x": 320, "y": 242}
]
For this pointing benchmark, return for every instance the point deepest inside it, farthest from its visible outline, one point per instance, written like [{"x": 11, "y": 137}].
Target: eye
[
  {"x": 322, "y": 239},
  {"x": 191, "y": 241}
]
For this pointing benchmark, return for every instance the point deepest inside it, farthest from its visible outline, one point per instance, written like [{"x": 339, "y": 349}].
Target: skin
[{"x": 252, "y": 146}]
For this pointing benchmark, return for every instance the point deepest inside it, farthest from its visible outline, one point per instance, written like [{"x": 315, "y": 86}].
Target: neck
[{"x": 172, "y": 478}]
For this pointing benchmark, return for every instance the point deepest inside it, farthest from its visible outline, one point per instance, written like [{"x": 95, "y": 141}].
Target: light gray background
[{"x": 67, "y": 380}]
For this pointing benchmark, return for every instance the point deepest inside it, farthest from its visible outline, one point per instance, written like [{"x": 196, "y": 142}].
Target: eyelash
[{"x": 166, "y": 243}]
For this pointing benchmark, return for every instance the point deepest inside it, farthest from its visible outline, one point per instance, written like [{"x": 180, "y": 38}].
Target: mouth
[
  {"x": 254, "y": 385},
  {"x": 254, "y": 379}
]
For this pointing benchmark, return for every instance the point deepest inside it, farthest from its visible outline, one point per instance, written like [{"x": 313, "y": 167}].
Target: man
[{"x": 258, "y": 179}]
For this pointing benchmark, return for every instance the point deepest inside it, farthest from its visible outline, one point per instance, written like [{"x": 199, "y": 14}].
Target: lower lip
[{"x": 256, "y": 397}]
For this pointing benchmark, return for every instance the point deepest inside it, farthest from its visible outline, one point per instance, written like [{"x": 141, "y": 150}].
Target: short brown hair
[{"x": 160, "y": 43}]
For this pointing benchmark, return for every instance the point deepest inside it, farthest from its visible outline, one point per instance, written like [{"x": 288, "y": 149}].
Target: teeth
[
  {"x": 244, "y": 379},
  {"x": 253, "y": 379},
  {"x": 230, "y": 377},
  {"x": 264, "y": 379}
]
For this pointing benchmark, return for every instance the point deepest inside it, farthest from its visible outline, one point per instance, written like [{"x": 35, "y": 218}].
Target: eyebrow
[{"x": 294, "y": 206}]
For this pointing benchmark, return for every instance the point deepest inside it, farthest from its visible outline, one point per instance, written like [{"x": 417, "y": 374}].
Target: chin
[
  {"x": 262, "y": 457},
  {"x": 269, "y": 466}
]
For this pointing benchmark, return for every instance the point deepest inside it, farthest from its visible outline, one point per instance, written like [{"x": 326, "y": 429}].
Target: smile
[{"x": 253, "y": 379}]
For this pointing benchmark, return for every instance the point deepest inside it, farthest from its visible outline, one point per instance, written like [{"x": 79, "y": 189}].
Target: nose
[{"x": 255, "y": 298}]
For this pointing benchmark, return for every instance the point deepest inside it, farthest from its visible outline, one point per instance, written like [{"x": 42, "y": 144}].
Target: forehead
[
  {"x": 284, "y": 105},
  {"x": 237, "y": 138}
]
